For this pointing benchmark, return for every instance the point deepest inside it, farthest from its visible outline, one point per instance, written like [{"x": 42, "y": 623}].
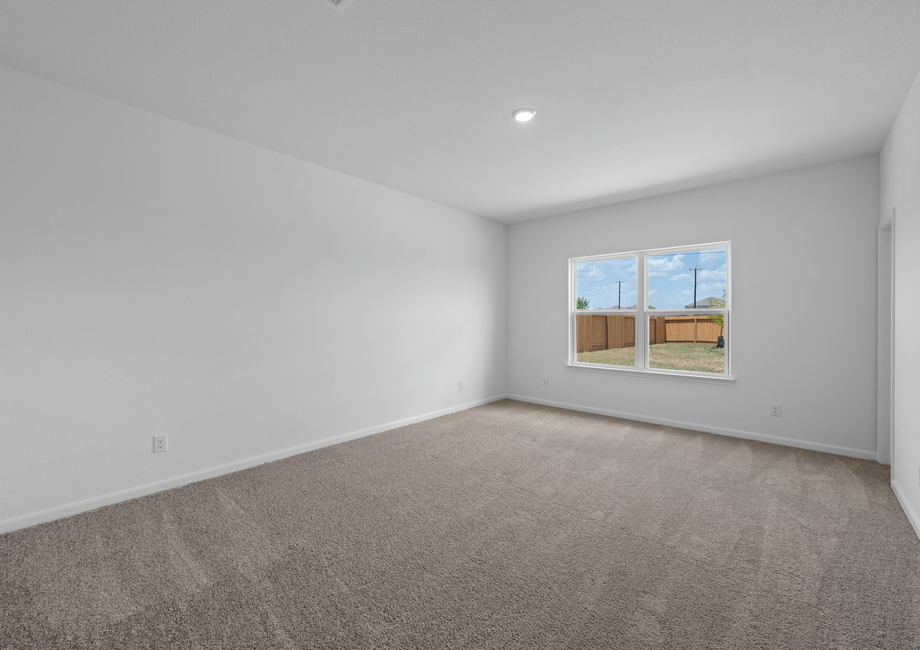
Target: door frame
[{"x": 886, "y": 347}]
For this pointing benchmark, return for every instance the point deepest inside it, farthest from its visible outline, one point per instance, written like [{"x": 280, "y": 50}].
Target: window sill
[{"x": 661, "y": 374}]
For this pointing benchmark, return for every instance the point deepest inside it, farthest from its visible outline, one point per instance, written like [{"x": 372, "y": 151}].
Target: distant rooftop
[{"x": 701, "y": 304}]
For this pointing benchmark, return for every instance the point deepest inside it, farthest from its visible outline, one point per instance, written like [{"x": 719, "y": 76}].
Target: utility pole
[
  {"x": 695, "y": 319},
  {"x": 694, "y": 269},
  {"x": 619, "y": 287}
]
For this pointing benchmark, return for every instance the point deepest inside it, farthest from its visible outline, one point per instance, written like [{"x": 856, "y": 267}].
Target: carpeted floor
[{"x": 505, "y": 526}]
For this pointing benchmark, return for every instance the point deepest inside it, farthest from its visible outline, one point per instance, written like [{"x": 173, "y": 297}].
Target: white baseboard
[
  {"x": 69, "y": 509},
  {"x": 734, "y": 433},
  {"x": 911, "y": 515}
]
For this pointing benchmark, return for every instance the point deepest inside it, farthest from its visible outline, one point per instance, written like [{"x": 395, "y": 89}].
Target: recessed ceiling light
[
  {"x": 524, "y": 114},
  {"x": 340, "y": 5}
]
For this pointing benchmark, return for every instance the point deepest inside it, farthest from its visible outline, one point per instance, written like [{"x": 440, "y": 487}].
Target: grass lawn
[
  {"x": 615, "y": 357},
  {"x": 696, "y": 357}
]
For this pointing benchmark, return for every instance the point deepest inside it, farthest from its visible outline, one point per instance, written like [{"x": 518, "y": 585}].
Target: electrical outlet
[
  {"x": 461, "y": 385},
  {"x": 545, "y": 383},
  {"x": 159, "y": 444},
  {"x": 776, "y": 410}
]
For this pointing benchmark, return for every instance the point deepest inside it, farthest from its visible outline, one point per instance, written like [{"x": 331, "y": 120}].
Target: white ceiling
[{"x": 634, "y": 98}]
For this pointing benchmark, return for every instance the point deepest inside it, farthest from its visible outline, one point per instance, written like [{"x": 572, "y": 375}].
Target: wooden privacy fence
[
  {"x": 605, "y": 332},
  {"x": 609, "y": 332},
  {"x": 688, "y": 329}
]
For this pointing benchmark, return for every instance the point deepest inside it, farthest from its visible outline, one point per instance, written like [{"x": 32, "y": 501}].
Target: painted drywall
[
  {"x": 804, "y": 257},
  {"x": 900, "y": 192},
  {"x": 156, "y": 277},
  {"x": 885, "y": 261}
]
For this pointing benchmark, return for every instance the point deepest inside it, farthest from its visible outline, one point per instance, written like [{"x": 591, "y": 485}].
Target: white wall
[
  {"x": 900, "y": 174},
  {"x": 885, "y": 261},
  {"x": 159, "y": 278},
  {"x": 804, "y": 297}
]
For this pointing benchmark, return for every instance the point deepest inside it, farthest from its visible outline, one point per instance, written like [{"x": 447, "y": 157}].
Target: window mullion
[{"x": 641, "y": 335}]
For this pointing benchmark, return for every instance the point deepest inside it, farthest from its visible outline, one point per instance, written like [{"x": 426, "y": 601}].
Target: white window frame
[{"x": 642, "y": 313}]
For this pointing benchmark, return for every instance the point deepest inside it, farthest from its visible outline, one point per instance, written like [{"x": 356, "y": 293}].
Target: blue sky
[{"x": 670, "y": 279}]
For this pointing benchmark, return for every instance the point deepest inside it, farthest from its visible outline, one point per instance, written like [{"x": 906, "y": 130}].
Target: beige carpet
[{"x": 505, "y": 526}]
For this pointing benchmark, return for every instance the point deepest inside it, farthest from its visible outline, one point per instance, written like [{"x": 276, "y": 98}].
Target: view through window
[{"x": 655, "y": 310}]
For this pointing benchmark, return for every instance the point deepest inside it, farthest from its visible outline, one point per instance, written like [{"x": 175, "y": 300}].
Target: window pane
[
  {"x": 606, "y": 284},
  {"x": 610, "y": 340},
  {"x": 687, "y": 343},
  {"x": 674, "y": 279}
]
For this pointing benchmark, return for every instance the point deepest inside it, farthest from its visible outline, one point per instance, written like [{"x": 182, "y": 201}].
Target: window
[{"x": 663, "y": 311}]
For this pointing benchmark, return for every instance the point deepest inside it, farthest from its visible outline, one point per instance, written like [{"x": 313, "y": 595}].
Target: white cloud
[
  {"x": 652, "y": 292},
  {"x": 681, "y": 276},
  {"x": 711, "y": 256},
  {"x": 592, "y": 272},
  {"x": 712, "y": 288},
  {"x": 665, "y": 263},
  {"x": 718, "y": 274}
]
